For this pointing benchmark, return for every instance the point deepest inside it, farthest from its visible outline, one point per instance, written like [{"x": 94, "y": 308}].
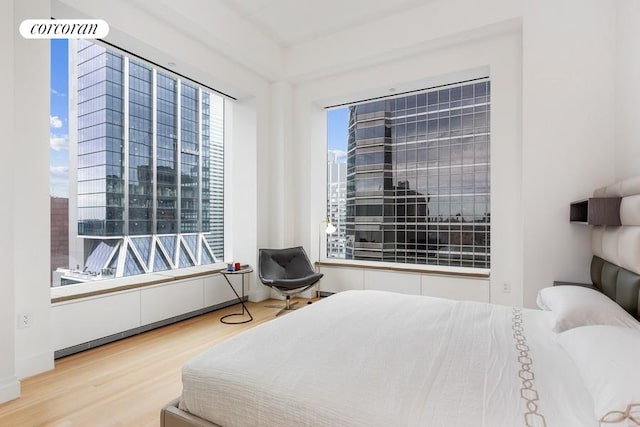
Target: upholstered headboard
[
  {"x": 619, "y": 284},
  {"x": 615, "y": 266}
]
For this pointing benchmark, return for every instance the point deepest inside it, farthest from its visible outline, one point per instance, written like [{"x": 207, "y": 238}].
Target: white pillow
[
  {"x": 575, "y": 306},
  {"x": 607, "y": 358},
  {"x": 541, "y": 302}
]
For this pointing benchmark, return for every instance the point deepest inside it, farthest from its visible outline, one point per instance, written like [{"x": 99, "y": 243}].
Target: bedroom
[{"x": 562, "y": 71}]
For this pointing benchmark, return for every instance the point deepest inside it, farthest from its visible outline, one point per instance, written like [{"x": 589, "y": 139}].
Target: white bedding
[{"x": 370, "y": 358}]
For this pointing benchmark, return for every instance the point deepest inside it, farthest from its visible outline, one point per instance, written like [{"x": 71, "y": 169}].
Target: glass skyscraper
[
  {"x": 336, "y": 205},
  {"x": 149, "y": 166},
  {"x": 418, "y": 178}
]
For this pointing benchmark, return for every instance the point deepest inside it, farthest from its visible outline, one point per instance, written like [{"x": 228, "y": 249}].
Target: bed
[
  {"x": 405, "y": 360},
  {"x": 372, "y": 358}
]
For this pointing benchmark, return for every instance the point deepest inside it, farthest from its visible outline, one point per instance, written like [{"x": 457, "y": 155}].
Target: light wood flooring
[{"x": 124, "y": 383}]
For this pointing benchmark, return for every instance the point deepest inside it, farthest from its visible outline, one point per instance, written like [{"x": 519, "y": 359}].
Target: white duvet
[{"x": 369, "y": 358}]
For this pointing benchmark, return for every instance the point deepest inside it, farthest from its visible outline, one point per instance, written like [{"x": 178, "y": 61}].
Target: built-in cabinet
[
  {"x": 82, "y": 323},
  {"x": 460, "y": 287}
]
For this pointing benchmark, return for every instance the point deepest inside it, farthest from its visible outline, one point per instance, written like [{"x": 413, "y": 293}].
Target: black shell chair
[{"x": 288, "y": 271}]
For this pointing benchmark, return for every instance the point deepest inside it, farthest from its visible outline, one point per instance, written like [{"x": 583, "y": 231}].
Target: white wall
[
  {"x": 280, "y": 160},
  {"x": 31, "y": 223},
  {"x": 627, "y": 91},
  {"x": 568, "y": 132},
  {"x": 499, "y": 55},
  {"x": 552, "y": 124},
  {"x": 398, "y": 35},
  {"x": 9, "y": 385},
  {"x": 246, "y": 176}
]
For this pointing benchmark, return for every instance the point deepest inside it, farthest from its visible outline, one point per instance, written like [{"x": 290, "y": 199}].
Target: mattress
[{"x": 371, "y": 358}]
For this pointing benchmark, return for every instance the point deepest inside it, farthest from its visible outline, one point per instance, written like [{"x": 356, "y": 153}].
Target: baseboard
[
  {"x": 33, "y": 365},
  {"x": 9, "y": 389}
]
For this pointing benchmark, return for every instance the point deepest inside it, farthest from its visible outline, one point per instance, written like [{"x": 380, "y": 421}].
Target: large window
[
  {"x": 409, "y": 177},
  {"x": 137, "y": 166}
]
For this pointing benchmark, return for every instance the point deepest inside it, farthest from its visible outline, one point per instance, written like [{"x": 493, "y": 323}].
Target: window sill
[
  {"x": 109, "y": 286},
  {"x": 480, "y": 273}
]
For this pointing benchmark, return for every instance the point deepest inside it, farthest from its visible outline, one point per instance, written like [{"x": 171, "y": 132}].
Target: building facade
[
  {"x": 148, "y": 166},
  {"x": 59, "y": 232},
  {"x": 418, "y": 178},
  {"x": 336, "y": 205}
]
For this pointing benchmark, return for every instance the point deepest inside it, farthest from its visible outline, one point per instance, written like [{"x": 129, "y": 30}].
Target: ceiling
[
  {"x": 288, "y": 22},
  {"x": 277, "y": 40}
]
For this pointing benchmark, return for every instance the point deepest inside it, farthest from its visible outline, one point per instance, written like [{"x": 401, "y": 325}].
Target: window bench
[
  {"x": 87, "y": 315},
  {"x": 435, "y": 281},
  {"x": 107, "y": 286}
]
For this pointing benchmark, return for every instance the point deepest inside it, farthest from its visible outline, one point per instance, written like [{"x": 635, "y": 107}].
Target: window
[
  {"x": 137, "y": 166},
  {"x": 409, "y": 177}
]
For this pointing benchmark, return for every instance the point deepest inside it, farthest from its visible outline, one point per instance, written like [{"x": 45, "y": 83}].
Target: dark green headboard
[{"x": 619, "y": 284}]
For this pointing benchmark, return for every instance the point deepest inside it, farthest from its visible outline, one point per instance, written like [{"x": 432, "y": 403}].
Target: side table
[{"x": 243, "y": 271}]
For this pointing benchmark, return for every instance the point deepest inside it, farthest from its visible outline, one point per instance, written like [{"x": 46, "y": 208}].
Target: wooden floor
[{"x": 124, "y": 383}]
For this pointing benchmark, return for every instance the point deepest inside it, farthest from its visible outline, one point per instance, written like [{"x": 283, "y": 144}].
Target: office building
[
  {"x": 147, "y": 164},
  {"x": 336, "y": 204},
  {"x": 418, "y": 178}
]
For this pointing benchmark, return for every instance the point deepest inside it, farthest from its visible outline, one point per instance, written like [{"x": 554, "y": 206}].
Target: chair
[{"x": 288, "y": 271}]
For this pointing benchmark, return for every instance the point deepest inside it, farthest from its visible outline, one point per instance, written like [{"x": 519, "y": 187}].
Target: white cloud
[
  {"x": 59, "y": 189},
  {"x": 55, "y": 122},
  {"x": 340, "y": 156},
  {"x": 59, "y": 170},
  {"x": 58, "y": 142},
  {"x": 59, "y": 181},
  {"x": 55, "y": 92}
]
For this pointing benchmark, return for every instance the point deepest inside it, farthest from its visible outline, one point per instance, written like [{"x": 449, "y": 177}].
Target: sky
[
  {"x": 337, "y": 125},
  {"x": 59, "y": 119}
]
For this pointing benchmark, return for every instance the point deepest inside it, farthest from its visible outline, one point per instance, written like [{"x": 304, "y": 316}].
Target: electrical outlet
[
  {"x": 506, "y": 288},
  {"x": 25, "y": 320}
]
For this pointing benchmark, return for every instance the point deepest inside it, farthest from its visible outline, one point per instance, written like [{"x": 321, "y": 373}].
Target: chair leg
[{"x": 289, "y": 306}]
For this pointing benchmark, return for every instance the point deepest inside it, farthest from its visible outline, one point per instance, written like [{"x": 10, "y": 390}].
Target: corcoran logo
[{"x": 64, "y": 29}]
